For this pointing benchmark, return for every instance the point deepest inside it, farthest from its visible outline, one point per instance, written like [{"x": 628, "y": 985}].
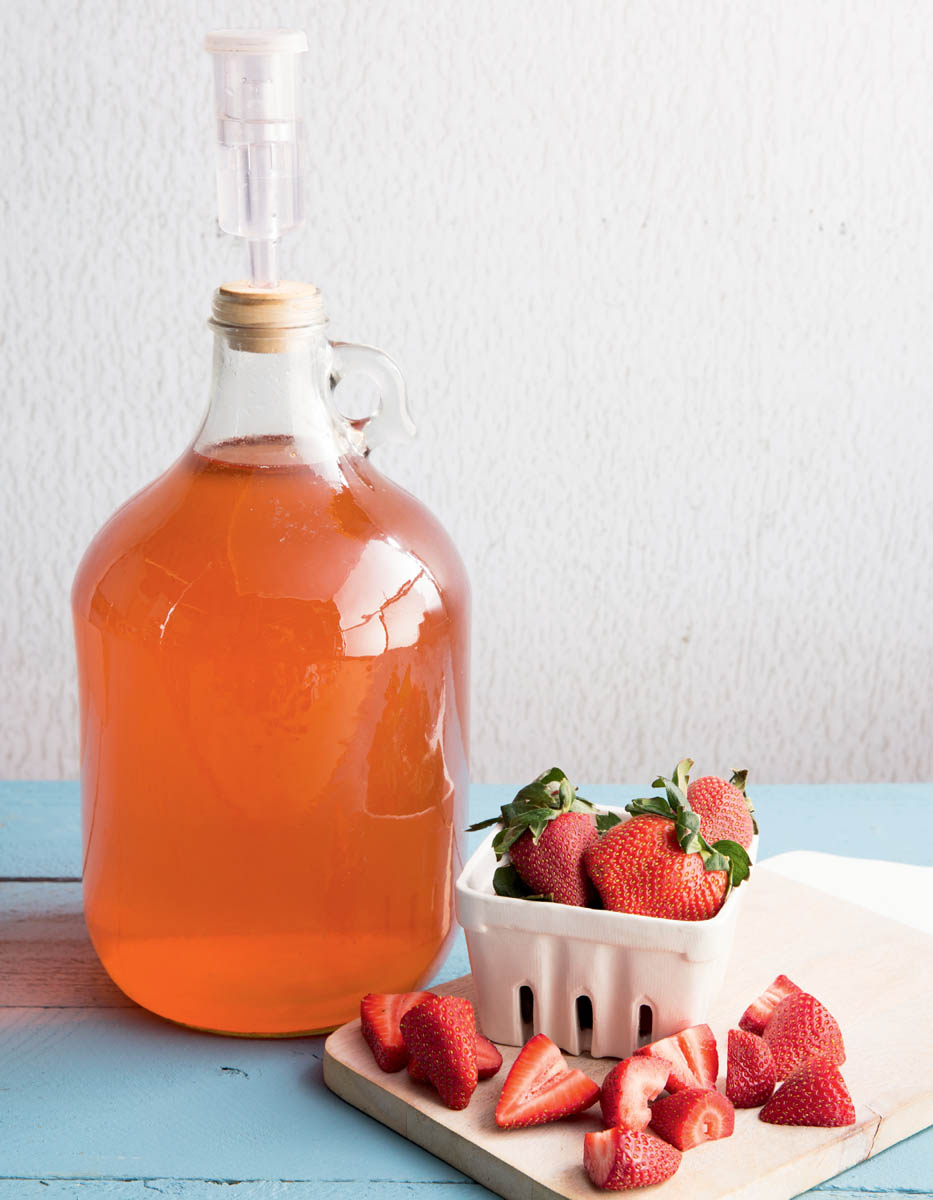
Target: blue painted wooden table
[{"x": 99, "y": 1098}]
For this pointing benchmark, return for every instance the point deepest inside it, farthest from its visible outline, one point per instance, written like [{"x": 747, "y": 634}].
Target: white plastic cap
[{"x": 260, "y": 139}]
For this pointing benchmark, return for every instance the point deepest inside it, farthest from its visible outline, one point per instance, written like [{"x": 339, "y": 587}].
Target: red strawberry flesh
[
  {"x": 690, "y": 1117},
  {"x": 756, "y": 1016},
  {"x": 488, "y": 1058},
  {"x": 553, "y": 866},
  {"x": 380, "y": 1017},
  {"x": 799, "y": 1028},
  {"x": 627, "y": 1089},
  {"x": 692, "y": 1055},
  {"x": 815, "y": 1094},
  {"x": 440, "y": 1034},
  {"x": 639, "y": 867},
  {"x": 488, "y": 1061},
  {"x": 619, "y": 1159},
  {"x": 750, "y": 1073},
  {"x": 541, "y": 1087}
]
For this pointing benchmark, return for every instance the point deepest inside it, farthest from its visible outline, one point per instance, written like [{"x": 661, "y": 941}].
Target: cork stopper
[{"x": 267, "y": 320}]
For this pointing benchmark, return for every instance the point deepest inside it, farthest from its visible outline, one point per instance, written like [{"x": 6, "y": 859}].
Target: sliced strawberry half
[
  {"x": 758, "y": 1013},
  {"x": 692, "y": 1116},
  {"x": 693, "y": 1058},
  {"x": 799, "y": 1028},
  {"x": 627, "y": 1089},
  {"x": 440, "y": 1034},
  {"x": 380, "y": 1024},
  {"x": 750, "y": 1073},
  {"x": 619, "y": 1159},
  {"x": 541, "y": 1087},
  {"x": 815, "y": 1094}
]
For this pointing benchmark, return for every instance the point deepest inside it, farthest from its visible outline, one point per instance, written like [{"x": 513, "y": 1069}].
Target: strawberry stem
[
  {"x": 537, "y": 803},
  {"x": 739, "y": 780}
]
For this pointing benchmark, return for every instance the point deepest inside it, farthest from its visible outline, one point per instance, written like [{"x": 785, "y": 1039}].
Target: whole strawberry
[
  {"x": 659, "y": 864},
  {"x": 545, "y": 832},
  {"x": 553, "y": 865},
  {"x": 640, "y": 867},
  {"x": 723, "y": 808}
]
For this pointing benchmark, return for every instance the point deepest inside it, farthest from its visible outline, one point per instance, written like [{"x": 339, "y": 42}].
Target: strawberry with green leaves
[
  {"x": 723, "y": 807},
  {"x": 659, "y": 864},
  {"x": 545, "y": 831}
]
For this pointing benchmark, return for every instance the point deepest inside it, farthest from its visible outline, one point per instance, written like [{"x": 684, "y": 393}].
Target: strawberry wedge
[
  {"x": 541, "y": 1087},
  {"x": 692, "y": 1055},
  {"x": 440, "y": 1034},
  {"x": 695, "y": 1115},
  {"x": 620, "y": 1159},
  {"x": 380, "y": 1024},
  {"x": 750, "y": 1073},
  {"x": 627, "y": 1089},
  {"x": 758, "y": 1013},
  {"x": 488, "y": 1061},
  {"x": 815, "y": 1094}
]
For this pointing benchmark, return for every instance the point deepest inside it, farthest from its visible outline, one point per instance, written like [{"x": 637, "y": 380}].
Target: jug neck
[{"x": 271, "y": 382}]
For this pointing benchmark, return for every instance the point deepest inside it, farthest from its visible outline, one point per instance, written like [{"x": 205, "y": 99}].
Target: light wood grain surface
[{"x": 874, "y": 975}]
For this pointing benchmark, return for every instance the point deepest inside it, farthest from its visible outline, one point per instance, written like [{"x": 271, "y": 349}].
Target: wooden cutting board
[{"x": 874, "y": 974}]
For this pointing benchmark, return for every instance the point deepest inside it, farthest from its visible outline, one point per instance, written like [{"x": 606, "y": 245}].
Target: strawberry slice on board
[
  {"x": 619, "y": 1159},
  {"x": 696, "y": 1115},
  {"x": 815, "y": 1094},
  {"x": 541, "y": 1087},
  {"x": 488, "y": 1058},
  {"x": 440, "y": 1034},
  {"x": 380, "y": 1017},
  {"x": 692, "y": 1055},
  {"x": 488, "y": 1061},
  {"x": 758, "y": 1013},
  {"x": 799, "y": 1028},
  {"x": 750, "y": 1073},
  {"x": 627, "y": 1089}
]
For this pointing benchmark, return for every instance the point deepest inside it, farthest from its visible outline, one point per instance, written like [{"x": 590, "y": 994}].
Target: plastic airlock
[{"x": 260, "y": 140}]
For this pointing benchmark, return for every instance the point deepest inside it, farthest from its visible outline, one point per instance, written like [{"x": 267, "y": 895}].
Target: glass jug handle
[{"x": 391, "y": 421}]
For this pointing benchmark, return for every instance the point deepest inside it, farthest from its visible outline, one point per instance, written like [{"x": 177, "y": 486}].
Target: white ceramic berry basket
[{"x": 536, "y": 964}]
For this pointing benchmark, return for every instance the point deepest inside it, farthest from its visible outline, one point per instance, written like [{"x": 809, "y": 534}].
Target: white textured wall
[{"x": 660, "y": 277}]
